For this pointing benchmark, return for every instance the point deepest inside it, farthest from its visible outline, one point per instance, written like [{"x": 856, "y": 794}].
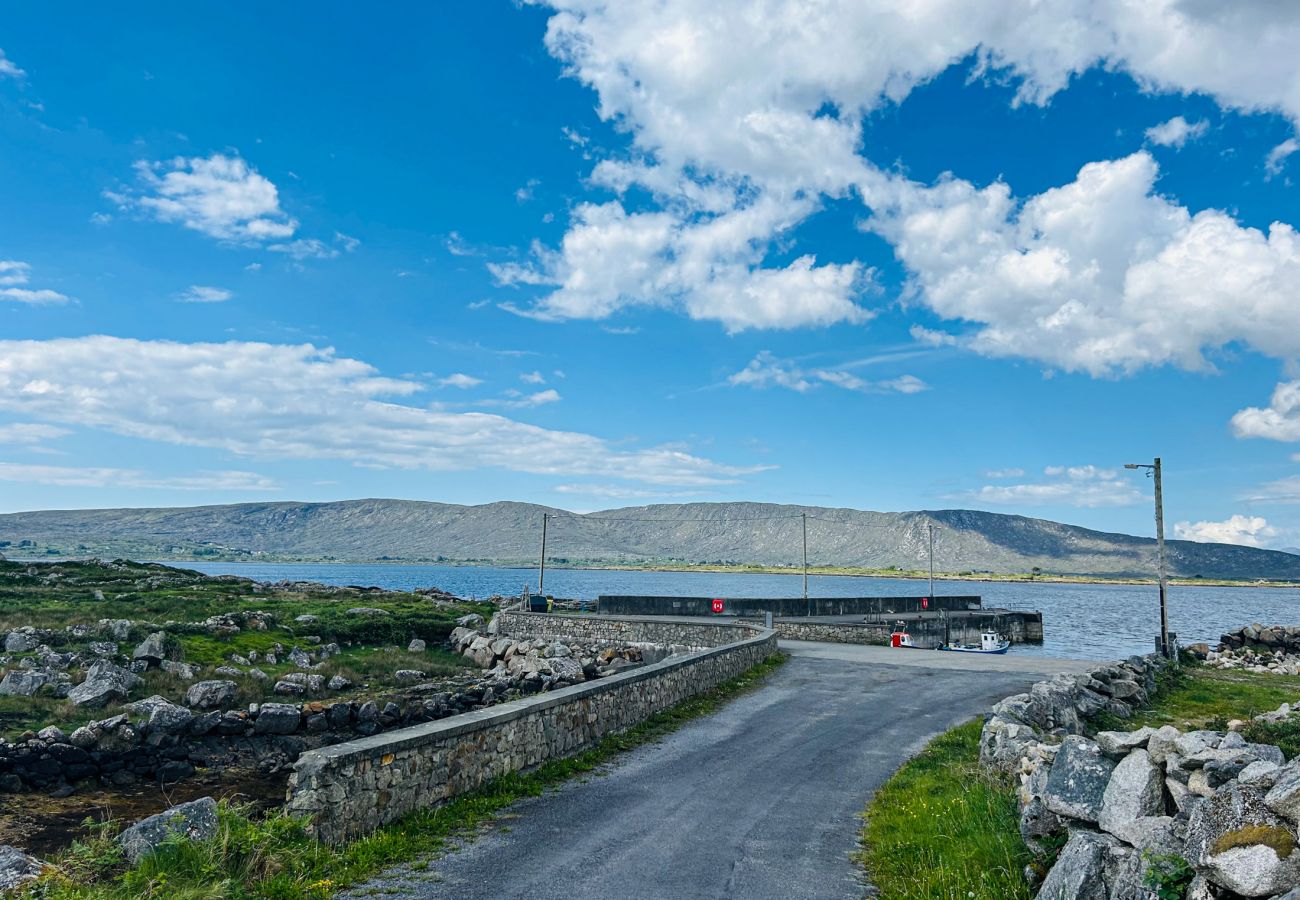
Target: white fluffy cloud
[
  {"x": 1102, "y": 275},
  {"x": 766, "y": 370},
  {"x": 275, "y": 401},
  {"x": 745, "y": 114},
  {"x": 1283, "y": 490},
  {"x": 1176, "y": 131},
  {"x": 8, "y": 68},
  {"x": 703, "y": 264},
  {"x": 99, "y": 476},
  {"x": 1086, "y": 486},
  {"x": 1248, "y": 531},
  {"x": 220, "y": 196},
  {"x": 14, "y": 275},
  {"x": 197, "y": 293},
  {"x": 1279, "y": 421}
]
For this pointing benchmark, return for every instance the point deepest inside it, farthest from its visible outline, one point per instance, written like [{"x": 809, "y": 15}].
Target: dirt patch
[{"x": 43, "y": 826}]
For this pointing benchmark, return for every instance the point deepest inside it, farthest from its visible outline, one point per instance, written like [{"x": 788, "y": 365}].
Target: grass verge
[
  {"x": 945, "y": 828},
  {"x": 274, "y": 858}
]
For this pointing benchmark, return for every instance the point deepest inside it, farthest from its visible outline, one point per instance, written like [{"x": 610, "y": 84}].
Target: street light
[{"x": 1153, "y": 471}]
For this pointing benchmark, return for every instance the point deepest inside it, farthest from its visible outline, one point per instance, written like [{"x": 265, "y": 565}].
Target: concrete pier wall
[{"x": 645, "y": 605}]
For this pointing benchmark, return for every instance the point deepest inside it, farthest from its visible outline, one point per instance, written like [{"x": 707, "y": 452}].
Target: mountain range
[{"x": 693, "y": 533}]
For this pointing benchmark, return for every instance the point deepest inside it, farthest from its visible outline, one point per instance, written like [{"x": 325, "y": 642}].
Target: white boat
[
  {"x": 990, "y": 642},
  {"x": 900, "y": 638}
]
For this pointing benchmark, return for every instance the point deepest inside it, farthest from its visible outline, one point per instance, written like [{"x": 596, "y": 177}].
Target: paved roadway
[{"x": 758, "y": 801}]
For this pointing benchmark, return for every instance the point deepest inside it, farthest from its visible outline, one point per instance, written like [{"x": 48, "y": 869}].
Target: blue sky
[{"x": 593, "y": 257}]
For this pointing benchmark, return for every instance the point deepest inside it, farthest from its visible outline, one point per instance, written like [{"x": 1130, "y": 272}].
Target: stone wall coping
[{"x": 315, "y": 761}]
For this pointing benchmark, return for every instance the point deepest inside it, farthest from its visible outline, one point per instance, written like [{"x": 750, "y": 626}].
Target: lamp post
[
  {"x": 1153, "y": 471},
  {"x": 930, "y": 528}
]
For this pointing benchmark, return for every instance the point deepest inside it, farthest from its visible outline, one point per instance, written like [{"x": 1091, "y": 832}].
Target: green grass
[
  {"x": 274, "y": 858},
  {"x": 1196, "y": 696},
  {"x": 944, "y": 828}
]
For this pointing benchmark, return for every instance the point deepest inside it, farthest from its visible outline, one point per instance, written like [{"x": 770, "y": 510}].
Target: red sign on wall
[
  {"x": 717, "y": 605},
  {"x": 925, "y": 603}
]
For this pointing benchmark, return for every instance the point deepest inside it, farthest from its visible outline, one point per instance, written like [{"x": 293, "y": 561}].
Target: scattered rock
[
  {"x": 366, "y": 611},
  {"x": 277, "y": 718},
  {"x": 105, "y": 683},
  {"x": 210, "y": 694},
  {"x": 17, "y": 868},
  {"x": 1079, "y": 873},
  {"x": 23, "y": 684},
  {"x": 416, "y": 646},
  {"x": 152, "y": 649},
  {"x": 195, "y": 821}
]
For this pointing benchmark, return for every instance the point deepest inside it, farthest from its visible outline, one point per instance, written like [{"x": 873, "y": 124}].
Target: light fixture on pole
[{"x": 1153, "y": 471}]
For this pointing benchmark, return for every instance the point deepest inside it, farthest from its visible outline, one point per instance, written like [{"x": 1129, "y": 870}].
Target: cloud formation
[
  {"x": 8, "y": 68},
  {"x": 1176, "y": 131},
  {"x": 279, "y": 401},
  {"x": 1102, "y": 275},
  {"x": 100, "y": 476},
  {"x": 197, "y": 293},
  {"x": 14, "y": 275},
  {"x": 744, "y": 117},
  {"x": 1084, "y": 486},
  {"x": 1247, "y": 531},
  {"x": 220, "y": 196},
  {"x": 766, "y": 370}
]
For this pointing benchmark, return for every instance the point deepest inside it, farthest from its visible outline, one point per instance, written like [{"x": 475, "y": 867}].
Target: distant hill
[{"x": 758, "y": 533}]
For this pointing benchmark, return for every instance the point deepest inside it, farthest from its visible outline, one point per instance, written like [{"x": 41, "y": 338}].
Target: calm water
[{"x": 1098, "y": 621}]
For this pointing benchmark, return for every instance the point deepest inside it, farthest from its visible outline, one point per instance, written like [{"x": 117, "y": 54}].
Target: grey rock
[
  {"x": 51, "y": 733},
  {"x": 1261, "y": 774},
  {"x": 17, "y": 868},
  {"x": 277, "y": 718},
  {"x": 105, "y": 683},
  {"x": 367, "y": 611},
  {"x": 416, "y": 646},
  {"x": 1079, "y": 872},
  {"x": 1283, "y": 797},
  {"x": 83, "y": 737},
  {"x": 339, "y": 683},
  {"x": 1078, "y": 779},
  {"x": 473, "y": 620},
  {"x": 19, "y": 642},
  {"x": 305, "y": 620},
  {"x": 315, "y": 683},
  {"x": 229, "y": 671},
  {"x": 179, "y": 669},
  {"x": 210, "y": 694},
  {"x": 408, "y": 675},
  {"x": 23, "y": 684},
  {"x": 194, "y": 821},
  {"x": 289, "y": 688},
  {"x": 103, "y": 648},
  {"x": 258, "y": 674},
  {"x": 117, "y": 629},
  {"x": 1253, "y": 870},
  {"x": 1161, "y": 743},
  {"x": 161, "y": 715},
  {"x": 152, "y": 649},
  {"x": 1119, "y": 743},
  {"x": 300, "y": 658},
  {"x": 1135, "y": 791}
]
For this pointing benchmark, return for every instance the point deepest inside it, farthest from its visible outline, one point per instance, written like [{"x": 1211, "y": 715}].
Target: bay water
[{"x": 1089, "y": 621}]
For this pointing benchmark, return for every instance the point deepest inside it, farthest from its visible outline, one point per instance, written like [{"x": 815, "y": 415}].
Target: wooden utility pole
[
  {"x": 930, "y": 528},
  {"x": 1160, "y": 550},
  {"x": 541, "y": 561},
  {"x": 806, "y": 601}
]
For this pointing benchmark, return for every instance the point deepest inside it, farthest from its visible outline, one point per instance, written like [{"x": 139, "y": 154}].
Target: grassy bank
[
  {"x": 274, "y": 858},
  {"x": 943, "y": 827}
]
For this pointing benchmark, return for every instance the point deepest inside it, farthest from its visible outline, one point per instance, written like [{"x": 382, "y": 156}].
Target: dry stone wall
[
  {"x": 353, "y": 788},
  {"x": 623, "y": 629}
]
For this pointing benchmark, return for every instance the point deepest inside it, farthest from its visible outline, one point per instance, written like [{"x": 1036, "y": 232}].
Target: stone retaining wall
[
  {"x": 840, "y": 633},
  {"x": 353, "y": 788}
]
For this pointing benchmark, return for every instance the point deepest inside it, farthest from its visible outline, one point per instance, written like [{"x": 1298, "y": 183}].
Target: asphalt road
[{"x": 760, "y": 800}]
